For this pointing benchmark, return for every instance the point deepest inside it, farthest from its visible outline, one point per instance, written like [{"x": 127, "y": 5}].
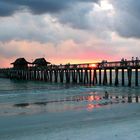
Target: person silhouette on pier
[
  {"x": 125, "y": 62},
  {"x": 137, "y": 61},
  {"x": 122, "y": 62},
  {"x": 133, "y": 61}
]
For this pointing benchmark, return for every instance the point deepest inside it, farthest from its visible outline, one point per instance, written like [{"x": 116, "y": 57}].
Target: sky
[{"x": 69, "y": 31}]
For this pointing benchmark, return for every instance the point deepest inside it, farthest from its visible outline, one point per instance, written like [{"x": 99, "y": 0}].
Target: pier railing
[{"x": 115, "y": 64}]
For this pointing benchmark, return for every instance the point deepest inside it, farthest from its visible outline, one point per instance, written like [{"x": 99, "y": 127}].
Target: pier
[{"x": 101, "y": 73}]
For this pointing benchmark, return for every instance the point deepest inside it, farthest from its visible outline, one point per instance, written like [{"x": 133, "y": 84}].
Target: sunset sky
[{"x": 63, "y": 31}]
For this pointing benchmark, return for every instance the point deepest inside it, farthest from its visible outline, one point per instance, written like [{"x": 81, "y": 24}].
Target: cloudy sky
[{"x": 74, "y": 31}]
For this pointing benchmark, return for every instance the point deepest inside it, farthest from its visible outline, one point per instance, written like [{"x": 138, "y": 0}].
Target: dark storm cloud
[
  {"x": 130, "y": 6},
  {"x": 127, "y": 18},
  {"x": 8, "y": 7}
]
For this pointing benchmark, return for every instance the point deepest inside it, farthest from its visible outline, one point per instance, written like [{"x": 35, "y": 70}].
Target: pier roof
[
  {"x": 20, "y": 61},
  {"x": 41, "y": 61}
]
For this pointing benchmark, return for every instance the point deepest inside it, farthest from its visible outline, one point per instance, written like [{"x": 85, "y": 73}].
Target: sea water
[{"x": 48, "y": 111}]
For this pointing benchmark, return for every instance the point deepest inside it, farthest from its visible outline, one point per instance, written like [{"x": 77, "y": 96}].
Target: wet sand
[{"x": 116, "y": 122}]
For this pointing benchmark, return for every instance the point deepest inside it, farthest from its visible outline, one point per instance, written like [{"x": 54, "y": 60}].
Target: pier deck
[{"x": 87, "y": 73}]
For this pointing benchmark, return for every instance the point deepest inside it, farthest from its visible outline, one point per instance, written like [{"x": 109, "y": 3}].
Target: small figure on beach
[{"x": 106, "y": 95}]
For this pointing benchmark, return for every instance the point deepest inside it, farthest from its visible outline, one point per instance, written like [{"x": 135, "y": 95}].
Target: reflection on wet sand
[
  {"x": 89, "y": 98},
  {"x": 71, "y": 103},
  {"x": 78, "y": 102}
]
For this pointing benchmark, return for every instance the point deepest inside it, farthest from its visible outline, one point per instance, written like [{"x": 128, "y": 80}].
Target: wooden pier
[{"x": 88, "y": 73}]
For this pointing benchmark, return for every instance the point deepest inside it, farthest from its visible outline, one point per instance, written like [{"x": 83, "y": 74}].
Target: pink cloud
[{"x": 67, "y": 51}]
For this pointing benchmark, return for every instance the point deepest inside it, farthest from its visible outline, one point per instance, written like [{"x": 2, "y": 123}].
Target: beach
[{"x": 47, "y": 112}]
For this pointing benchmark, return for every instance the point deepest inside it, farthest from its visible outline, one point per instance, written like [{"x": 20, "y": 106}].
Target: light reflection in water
[
  {"x": 92, "y": 98},
  {"x": 71, "y": 103},
  {"x": 90, "y": 107}
]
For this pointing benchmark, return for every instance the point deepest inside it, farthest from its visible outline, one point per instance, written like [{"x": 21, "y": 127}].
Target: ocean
[{"x": 35, "y": 110}]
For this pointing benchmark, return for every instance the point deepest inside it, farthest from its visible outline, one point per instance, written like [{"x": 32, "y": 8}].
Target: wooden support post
[
  {"x": 81, "y": 76},
  {"x": 23, "y": 77},
  {"x": 100, "y": 77},
  {"x": 76, "y": 76},
  {"x": 123, "y": 79},
  {"x": 137, "y": 99},
  {"x": 110, "y": 76},
  {"x": 129, "y": 72},
  {"x": 90, "y": 76},
  {"x": 95, "y": 73},
  {"x": 31, "y": 75},
  {"x": 95, "y": 81},
  {"x": 73, "y": 76},
  {"x": 61, "y": 74},
  {"x": 34, "y": 75},
  {"x": 86, "y": 77},
  {"x": 136, "y": 77},
  {"x": 45, "y": 76},
  {"x": 21, "y": 74},
  {"x": 55, "y": 76},
  {"x": 105, "y": 77},
  {"x": 51, "y": 74},
  {"x": 41, "y": 75},
  {"x": 67, "y": 75},
  {"x": 27, "y": 75},
  {"x": 116, "y": 77},
  {"x": 37, "y": 75},
  {"x": 129, "y": 99},
  {"x": 48, "y": 76},
  {"x": 18, "y": 76}
]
